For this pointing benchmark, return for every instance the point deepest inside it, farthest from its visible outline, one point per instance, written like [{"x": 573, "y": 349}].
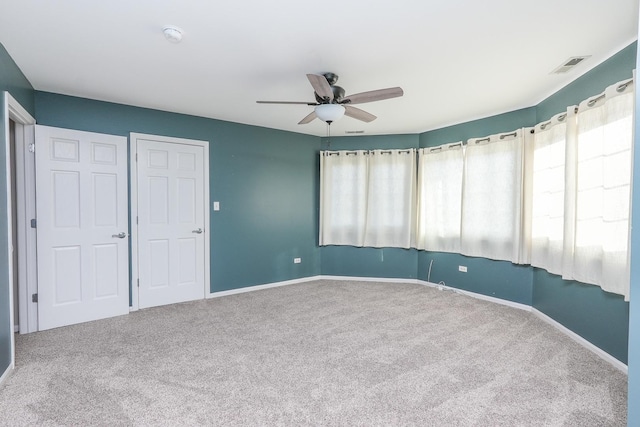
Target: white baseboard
[
  {"x": 368, "y": 279},
  {"x": 5, "y": 375},
  {"x": 495, "y": 300},
  {"x": 586, "y": 344},
  {"x": 261, "y": 287}
]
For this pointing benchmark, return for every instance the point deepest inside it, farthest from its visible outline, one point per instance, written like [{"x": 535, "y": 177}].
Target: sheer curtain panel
[
  {"x": 343, "y": 197},
  {"x": 492, "y": 198},
  {"x": 548, "y": 191},
  {"x": 391, "y": 199},
  {"x": 440, "y": 197},
  {"x": 597, "y": 231}
]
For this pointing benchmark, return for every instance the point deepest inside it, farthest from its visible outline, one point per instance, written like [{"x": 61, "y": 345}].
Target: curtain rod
[
  {"x": 366, "y": 152},
  {"x": 620, "y": 88}
]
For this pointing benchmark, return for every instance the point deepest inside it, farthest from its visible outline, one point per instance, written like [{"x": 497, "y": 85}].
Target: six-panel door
[
  {"x": 171, "y": 222},
  {"x": 82, "y": 214}
]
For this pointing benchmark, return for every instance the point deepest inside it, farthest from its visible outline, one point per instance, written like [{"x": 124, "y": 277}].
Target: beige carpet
[{"x": 321, "y": 353}]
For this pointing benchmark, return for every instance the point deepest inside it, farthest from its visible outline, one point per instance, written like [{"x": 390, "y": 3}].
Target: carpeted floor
[{"x": 320, "y": 353}]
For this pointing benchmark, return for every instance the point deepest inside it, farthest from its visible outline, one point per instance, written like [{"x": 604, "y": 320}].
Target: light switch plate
[{"x": 216, "y": 206}]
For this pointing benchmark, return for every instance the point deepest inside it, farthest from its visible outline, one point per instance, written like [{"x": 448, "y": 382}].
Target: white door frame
[
  {"x": 24, "y": 135},
  {"x": 26, "y": 210},
  {"x": 133, "y": 147}
]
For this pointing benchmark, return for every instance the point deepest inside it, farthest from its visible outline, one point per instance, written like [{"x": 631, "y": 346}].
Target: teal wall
[
  {"x": 13, "y": 81},
  {"x": 478, "y": 128},
  {"x": 633, "y": 418},
  {"x": 264, "y": 179},
  {"x": 613, "y": 70},
  {"x": 499, "y": 279}
]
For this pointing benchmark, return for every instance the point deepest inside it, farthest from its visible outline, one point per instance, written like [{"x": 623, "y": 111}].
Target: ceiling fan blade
[
  {"x": 359, "y": 114},
  {"x": 287, "y": 102},
  {"x": 374, "y": 95},
  {"x": 321, "y": 86},
  {"x": 308, "y": 118}
]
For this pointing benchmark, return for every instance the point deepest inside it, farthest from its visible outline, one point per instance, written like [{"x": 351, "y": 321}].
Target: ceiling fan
[{"x": 331, "y": 103}]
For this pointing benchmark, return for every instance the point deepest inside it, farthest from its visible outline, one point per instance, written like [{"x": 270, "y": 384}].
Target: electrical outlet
[
  {"x": 462, "y": 268},
  {"x": 297, "y": 260}
]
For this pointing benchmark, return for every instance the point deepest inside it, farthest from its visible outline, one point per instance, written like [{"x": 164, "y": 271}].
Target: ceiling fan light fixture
[{"x": 329, "y": 112}]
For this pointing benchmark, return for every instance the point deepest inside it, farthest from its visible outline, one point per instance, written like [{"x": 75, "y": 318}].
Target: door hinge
[
  {"x": 136, "y": 220},
  {"x": 136, "y": 157},
  {"x": 138, "y": 282},
  {"x": 32, "y": 148},
  {"x": 33, "y": 223},
  {"x": 34, "y": 297}
]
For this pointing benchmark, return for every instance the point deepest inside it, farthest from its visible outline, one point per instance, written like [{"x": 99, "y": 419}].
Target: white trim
[
  {"x": 5, "y": 376},
  {"x": 133, "y": 209},
  {"x": 585, "y": 343},
  {"x": 17, "y": 111},
  {"x": 14, "y": 111},
  {"x": 133, "y": 203},
  {"x": 26, "y": 210},
  {"x": 261, "y": 287},
  {"x": 25, "y": 199},
  {"x": 9, "y": 226},
  {"x": 369, "y": 279},
  {"x": 494, "y": 300}
]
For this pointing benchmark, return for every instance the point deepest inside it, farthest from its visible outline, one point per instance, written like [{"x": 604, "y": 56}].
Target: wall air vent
[
  {"x": 351, "y": 132},
  {"x": 569, "y": 64}
]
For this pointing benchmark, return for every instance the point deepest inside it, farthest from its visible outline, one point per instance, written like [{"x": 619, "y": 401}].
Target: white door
[
  {"x": 82, "y": 224},
  {"x": 171, "y": 230}
]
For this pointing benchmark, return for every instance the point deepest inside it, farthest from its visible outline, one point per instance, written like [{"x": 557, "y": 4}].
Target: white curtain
[
  {"x": 440, "y": 197},
  {"x": 548, "y": 191},
  {"x": 368, "y": 198},
  {"x": 343, "y": 197},
  {"x": 391, "y": 199},
  {"x": 492, "y": 198},
  {"x": 598, "y": 187}
]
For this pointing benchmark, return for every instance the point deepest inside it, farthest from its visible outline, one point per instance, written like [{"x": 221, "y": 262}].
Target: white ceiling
[{"x": 457, "y": 60}]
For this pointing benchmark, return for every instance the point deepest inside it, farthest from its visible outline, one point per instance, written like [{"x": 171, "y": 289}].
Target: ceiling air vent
[
  {"x": 569, "y": 64},
  {"x": 350, "y": 132}
]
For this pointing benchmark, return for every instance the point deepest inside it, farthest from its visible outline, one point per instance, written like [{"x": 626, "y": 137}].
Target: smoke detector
[{"x": 172, "y": 33}]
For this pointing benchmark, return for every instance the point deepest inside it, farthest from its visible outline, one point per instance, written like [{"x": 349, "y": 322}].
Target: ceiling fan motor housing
[{"x": 338, "y": 95}]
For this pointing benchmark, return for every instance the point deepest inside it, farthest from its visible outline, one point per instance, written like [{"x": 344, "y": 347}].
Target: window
[
  {"x": 492, "y": 197},
  {"x": 368, "y": 198},
  {"x": 343, "y": 189},
  {"x": 548, "y": 182},
  {"x": 440, "y": 197},
  {"x": 598, "y": 185}
]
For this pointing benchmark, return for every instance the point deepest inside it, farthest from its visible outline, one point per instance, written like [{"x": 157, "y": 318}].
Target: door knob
[
  {"x": 198, "y": 231},
  {"x": 119, "y": 235}
]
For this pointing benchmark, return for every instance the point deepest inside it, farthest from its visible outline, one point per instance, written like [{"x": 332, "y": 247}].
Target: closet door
[{"x": 172, "y": 222}]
